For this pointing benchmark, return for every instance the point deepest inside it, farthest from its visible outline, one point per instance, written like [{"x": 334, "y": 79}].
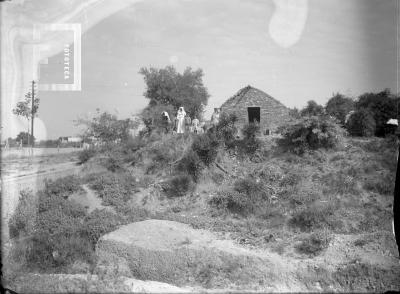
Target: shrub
[
  {"x": 312, "y": 132},
  {"x": 314, "y": 243},
  {"x": 44, "y": 254},
  {"x": 361, "y": 123},
  {"x": 226, "y": 129},
  {"x": 85, "y": 155},
  {"x": 52, "y": 226},
  {"x": 63, "y": 186},
  {"x": 381, "y": 184},
  {"x": 114, "y": 163},
  {"x": 341, "y": 182},
  {"x": 206, "y": 147},
  {"x": 191, "y": 164},
  {"x": 99, "y": 223},
  {"x": 114, "y": 189},
  {"x": 178, "y": 186},
  {"x": 247, "y": 196},
  {"x": 23, "y": 221},
  {"x": 250, "y": 143},
  {"x": 312, "y": 217}
]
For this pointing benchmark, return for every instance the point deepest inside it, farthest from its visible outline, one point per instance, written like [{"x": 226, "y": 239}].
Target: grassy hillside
[{"x": 329, "y": 208}]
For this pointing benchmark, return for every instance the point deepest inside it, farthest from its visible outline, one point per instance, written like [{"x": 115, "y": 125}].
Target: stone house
[{"x": 253, "y": 105}]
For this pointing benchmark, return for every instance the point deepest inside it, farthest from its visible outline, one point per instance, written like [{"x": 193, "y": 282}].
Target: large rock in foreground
[
  {"x": 175, "y": 253},
  {"x": 62, "y": 283}
]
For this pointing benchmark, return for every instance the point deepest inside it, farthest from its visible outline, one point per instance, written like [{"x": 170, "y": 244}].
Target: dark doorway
[{"x": 254, "y": 114}]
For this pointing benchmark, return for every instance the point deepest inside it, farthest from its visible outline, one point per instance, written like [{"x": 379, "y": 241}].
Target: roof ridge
[{"x": 242, "y": 93}]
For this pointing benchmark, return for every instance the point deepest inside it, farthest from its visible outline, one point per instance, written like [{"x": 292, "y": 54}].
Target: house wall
[{"x": 272, "y": 113}]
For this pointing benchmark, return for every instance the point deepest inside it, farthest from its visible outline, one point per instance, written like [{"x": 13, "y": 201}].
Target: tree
[
  {"x": 312, "y": 109},
  {"x": 106, "y": 127},
  {"x": 294, "y": 112},
  {"x": 25, "y": 137},
  {"x": 361, "y": 123},
  {"x": 168, "y": 87},
  {"x": 25, "y": 109},
  {"x": 382, "y": 105},
  {"x": 339, "y": 106}
]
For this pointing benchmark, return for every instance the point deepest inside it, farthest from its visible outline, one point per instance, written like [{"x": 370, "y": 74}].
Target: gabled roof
[{"x": 247, "y": 93}]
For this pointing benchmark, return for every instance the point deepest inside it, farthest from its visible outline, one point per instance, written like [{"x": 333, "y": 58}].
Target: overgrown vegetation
[
  {"x": 314, "y": 243},
  {"x": 310, "y": 133}
]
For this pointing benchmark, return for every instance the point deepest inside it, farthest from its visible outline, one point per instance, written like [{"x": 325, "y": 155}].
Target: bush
[
  {"x": 314, "y": 244},
  {"x": 114, "y": 163},
  {"x": 226, "y": 129},
  {"x": 45, "y": 254},
  {"x": 206, "y": 147},
  {"x": 310, "y": 133},
  {"x": 23, "y": 221},
  {"x": 99, "y": 223},
  {"x": 191, "y": 164},
  {"x": 247, "y": 196},
  {"x": 178, "y": 186},
  {"x": 63, "y": 186},
  {"x": 361, "y": 123},
  {"x": 381, "y": 184},
  {"x": 114, "y": 189},
  {"x": 85, "y": 155},
  {"x": 313, "y": 217},
  {"x": 52, "y": 227},
  {"x": 250, "y": 143}
]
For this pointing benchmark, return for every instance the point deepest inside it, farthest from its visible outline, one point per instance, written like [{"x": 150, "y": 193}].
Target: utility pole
[{"x": 32, "y": 111}]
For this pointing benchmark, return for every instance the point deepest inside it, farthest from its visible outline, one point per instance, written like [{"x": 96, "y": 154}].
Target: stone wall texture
[{"x": 272, "y": 113}]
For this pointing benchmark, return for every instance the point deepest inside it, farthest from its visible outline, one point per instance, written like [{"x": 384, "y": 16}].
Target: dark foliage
[
  {"x": 86, "y": 154},
  {"x": 312, "y": 109},
  {"x": 310, "y": 133},
  {"x": 178, "y": 186},
  {"x": 339, "y": 106},
  {"x": 206, "y": 147},
  {"x": 192, "y": 164},
  {"x": 382, "y": 105},
  {"x": 361, "y": 123}
]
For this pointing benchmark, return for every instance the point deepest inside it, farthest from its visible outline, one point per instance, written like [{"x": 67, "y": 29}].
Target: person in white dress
[{"x": 180, "y": 129}]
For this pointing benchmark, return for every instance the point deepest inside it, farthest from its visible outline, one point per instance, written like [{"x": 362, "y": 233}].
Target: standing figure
[
  {"x": 180, "y": 117},
  {"x": 196, "y": 125},
  {"x": 188, "y": 122},
  {"x": 165, "y": 121},
  {"x": 215, "y": 116}
]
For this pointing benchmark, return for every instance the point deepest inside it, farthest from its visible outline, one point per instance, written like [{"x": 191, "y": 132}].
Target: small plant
[
  {"x": 313, "y": 217},
  {"x": 99, "y": 223},
  {"x": 226, "y": 129},
  {"x": 23, "y": 221},
  {"x": 250, "y": 143},
  {"x": 192, "y": 164},
  {"x": 86, "y": 154},
  {"x": 206, "y": 147},
  {"x": 381, "y": 184},
  {"x": 178, "y": 186},
  {"x": 314, "y": 243},
  {"x": 245, "y": 198},
  {"x": 63, "y": 186},
  {"x": 114, "y": 163},
  {"x": 114, "y": 189}
]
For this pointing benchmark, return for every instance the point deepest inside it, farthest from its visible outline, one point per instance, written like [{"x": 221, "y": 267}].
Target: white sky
[{"x": 346, "y": 46}]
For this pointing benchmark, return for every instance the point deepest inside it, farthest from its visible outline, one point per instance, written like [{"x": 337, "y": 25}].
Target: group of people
[{"x": 183, "y": 123}]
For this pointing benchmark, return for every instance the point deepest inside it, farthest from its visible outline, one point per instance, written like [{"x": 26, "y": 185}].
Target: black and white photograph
[{"x": 200, "y": 146}]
